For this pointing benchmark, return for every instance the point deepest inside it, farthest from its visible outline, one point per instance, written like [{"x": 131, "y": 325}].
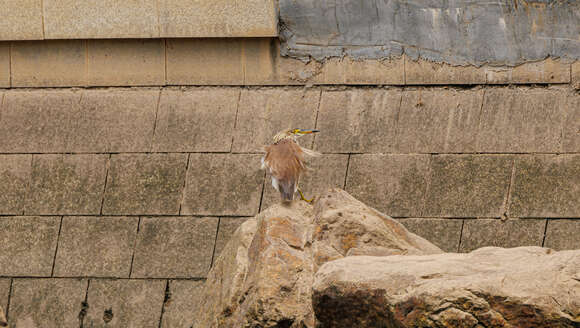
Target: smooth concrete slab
[
  {"x": 21, "y": 20},
  {"x": 479, "y": 233},
  {"x": 444, "y": 233},
  {"x": 182, "y": 306},
  {"x": 15, "y": 171},
  {"x": 563, "y": 234}
]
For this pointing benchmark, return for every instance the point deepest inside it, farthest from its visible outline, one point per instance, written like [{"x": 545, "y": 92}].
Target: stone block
[
  {"x": 233, "y": 188},
  {"x": 422, "y": 72},
  {"x": 95, "y": 247},
  {"x": 5, "y": 284},
  {"x": 112, "y": 120},
  {"x": 27, "y": 245},
  {"x": 145, "y": 184},
  {"x": 438, "y": 121},
  {"x": 227, "y": 227},
  {"x": 495, "y": 232},
  {"x": 37, "y": 121},
  {"x": 264, "y": 112},
  {"x": 546, "y": 186},
  {"x": 394, "y": 184},
  {"x": 182, "y": 305},
  {"x": 204, "y": 62},
  {"x": 360, "y": 72},
  {"x": 358, "y": 120},
  {"x": 174, "y": 247},
  {"x": 217, "y": 18},
  {"x": 444, "y": 233},
  {"x": 47, "y": 302},
  {"x": 4, "y": 65},
  {"x": 563, "y": 234},
  {"x": 21, "y": 20},
  {"x": 576, "y": 75},
  {"x": 468, "y": 185},
  {"x": 521, "y": 120},
  {"x": 126, "y": 62},
  {"x": 545, "y": 71},
  {"x": 326, "y": 171},
  {"x": 54, "y": 63},
  {"x": 124, "y": 303},
  {"x": 66, "y": 184},
  {"x": 14, "y": 179},
  {"x": 110, "y": 19},
  {"x": 571, "y": 127},
  {"x": 196, "y": 120}
]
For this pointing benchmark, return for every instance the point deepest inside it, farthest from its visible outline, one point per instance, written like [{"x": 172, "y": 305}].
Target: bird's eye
[{"x": 296, "y": 131}]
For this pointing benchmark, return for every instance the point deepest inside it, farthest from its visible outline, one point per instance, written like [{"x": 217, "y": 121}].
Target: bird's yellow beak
[{"x": 307, "y": 131}]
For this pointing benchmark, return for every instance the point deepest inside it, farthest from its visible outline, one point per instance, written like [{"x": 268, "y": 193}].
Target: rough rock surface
[
  {"x": 3, "y": 322},
  {"x": 489, "y": 287},
  {"x": 264, "y": 276}
]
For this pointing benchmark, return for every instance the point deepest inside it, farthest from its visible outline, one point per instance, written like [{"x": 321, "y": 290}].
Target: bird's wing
[{"x": 285, "y": 160}]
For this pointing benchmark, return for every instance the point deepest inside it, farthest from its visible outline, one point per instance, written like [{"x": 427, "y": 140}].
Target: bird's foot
[{"x": 304, "y": 198}]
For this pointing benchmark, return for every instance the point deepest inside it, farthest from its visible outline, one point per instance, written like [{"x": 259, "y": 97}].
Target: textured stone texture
[
  {"x": 178, "y": 247},
  {"x": 21, "y": 20},
  {"x": 426, "y": 72},
  {"x": 199, "y": 119},
  {"x": 126, "y": 62},
  {"x": 124, "y": 303},
  {"x": 393, "y": 184},
  {"x": 66, "y": 184},
  {"x": 444, "y": 233},
  {"x": 4, "y": 65},
  {"x": 358, "y": 120},
  {"x": 145, "y": 184},
  {"x": 233, "y": 188},
  {"x": 544, "y": 71},
  {"x": 14, "y": 179},
  {"x": 95, "y": 247},
  {"x": 438, "y": 121},
  {"x": 70, "y": 19},
  {"x": 490, "y": 287},
  {"x": 563, "y": 234},
  {"x": 50, "y": 303},
  {"x": 264, "y": 112},
  {"x": 571, "y": 129},
  {"x": 468, "y": 185},
  {"x": 347, "y": 71},
  {"x": 27, "y": 245},
  {"x": 227, "y": 227},
  {"x": 204, "y": 62},
  {"x": 56, "y": 63},
  {"x": 576, "y": 74},
  {"x": 521, "y": 120},
  {"x": 180, "y": 309},
  {"x": 494, "y": 232},
  {"x": 4, "y": 294},
  {"x": 218, "y": 18},
  {"x": 546, "y": 186}
]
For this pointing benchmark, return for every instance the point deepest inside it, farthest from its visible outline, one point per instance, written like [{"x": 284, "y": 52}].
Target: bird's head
[{"x": 292, "y": 133}]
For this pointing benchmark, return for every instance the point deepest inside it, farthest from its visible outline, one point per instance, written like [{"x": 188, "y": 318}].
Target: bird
[{"x": 285, "y": 161}]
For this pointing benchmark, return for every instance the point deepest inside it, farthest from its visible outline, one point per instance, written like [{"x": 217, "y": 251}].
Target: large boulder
[
  {"x": 264, "y": 276},
  {"x": 489, "y": 287}
]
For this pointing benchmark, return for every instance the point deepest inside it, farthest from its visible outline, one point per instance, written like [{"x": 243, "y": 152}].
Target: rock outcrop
[
  {"x": 489, "y": 287},
  {"x": 264, "y": 276}
]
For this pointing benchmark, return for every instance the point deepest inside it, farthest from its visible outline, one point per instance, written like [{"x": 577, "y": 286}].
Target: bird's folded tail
[{"x": 287, "y": 190}]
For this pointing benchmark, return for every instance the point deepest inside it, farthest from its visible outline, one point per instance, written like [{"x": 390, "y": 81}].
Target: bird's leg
[{"x": 304, "y": 198}]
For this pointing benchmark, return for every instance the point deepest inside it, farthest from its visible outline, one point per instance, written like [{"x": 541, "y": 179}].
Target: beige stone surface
[
  {"x": 21, "y": 20},
  {"x": 544, "y": 71},
  {"x": 490, "y": 287},
  {"x": 196, "y": 120},
  {"x": 494, "y": 232},
  {"x": 576, "y": 75},
  {"x": 522, "y": 120},
  {"x": 326, "y": 171},
  {"x": 124, "y": 303},
  {"x": 218, "y": 18},
  {"x": 212, "y": 61},
  {"x": 95, "y": 247},
  {"x": 33, "y": 299},
  {"x": 438, "y": 121},
  {"x": 126, "y": 62},
  {"x": 14, "y": 178},
  {"x": 563, "y": 234},
  {"x": 227, "y": 227},
  {"x": 443, "y": 233},
  {"x": 54, "y": 63},
  {"x": 3, "y": 320},
  {"x": 4, "y": 65},
  {"x": 233, "y": 188},
  {"x": 70, "y": 19},
  {"x": 373, "y": 72},
  {"x": 66, "y": 184},
  {"x": 180, "y": 308},
  {"x": 174, "y": 247},
  {"x": 468, "y": 186},
  {"x": 393, "y": 184},
  {"x": 546, "y": 186},
  {"x": 264, "y": 112},
  {"x": 426, "y": 72},
  {"x": 571, "y": 128},
  {"x": 145, "y": 184},
  {"x": 4, "y": 294},
  {"x": 27, "y": 245},
  {"x": 358, "y": 120}
]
